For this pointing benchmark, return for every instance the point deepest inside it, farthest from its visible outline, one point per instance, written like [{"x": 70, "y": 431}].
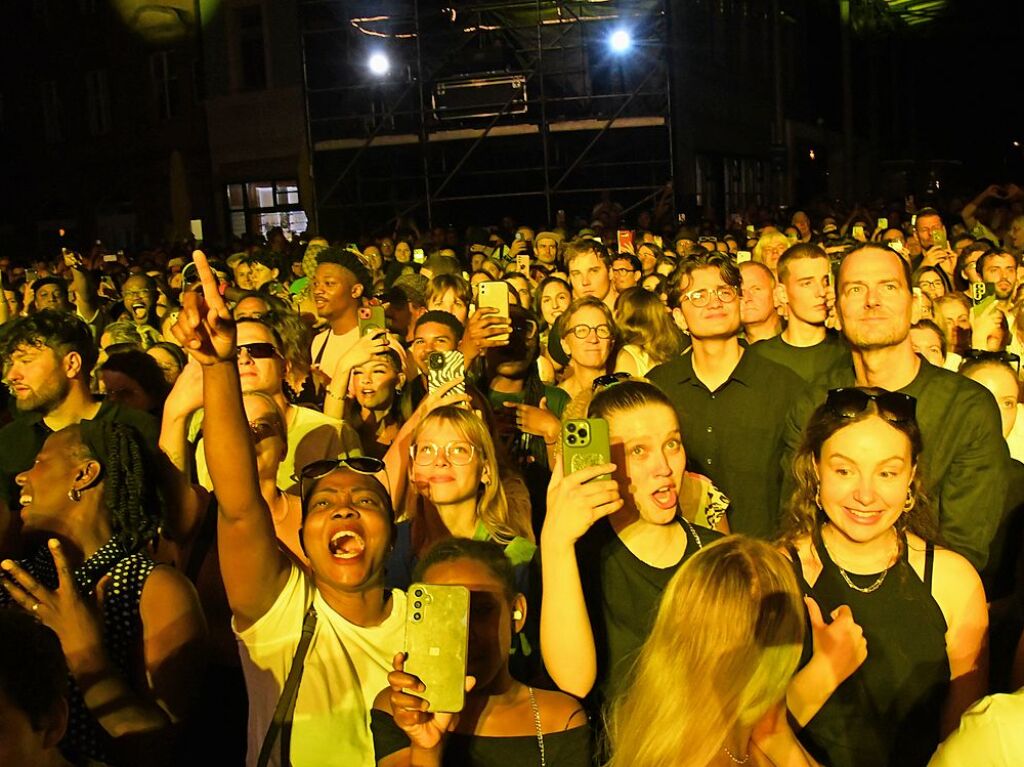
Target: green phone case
[
  {"x": 585, "y": 443},
  {"x": 436, "y": 640}
]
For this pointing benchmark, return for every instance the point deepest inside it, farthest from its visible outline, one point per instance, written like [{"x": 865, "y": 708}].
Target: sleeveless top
[
  {"x": 122, "y": 631},
  {"x": 888, "y": 711},
  {"x": 641, "y": 358}
]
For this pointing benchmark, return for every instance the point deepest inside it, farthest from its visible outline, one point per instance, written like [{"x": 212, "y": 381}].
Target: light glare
[
  {"x": 620, "y": 41},
  {"x": 379, "y": 64}
]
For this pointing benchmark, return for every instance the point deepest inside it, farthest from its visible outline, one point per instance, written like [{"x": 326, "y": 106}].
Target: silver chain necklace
[
  {"x": 536, "y": 724},
  {"x": 734, "y": 758},
  {"x": 846, "y": 577}
]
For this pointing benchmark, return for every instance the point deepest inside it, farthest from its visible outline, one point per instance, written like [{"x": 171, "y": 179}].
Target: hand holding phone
[
  {"x": 585, "y": 443},
  {"x": 495, "y": 294},
  {"x": 436, "y": 644},
  {"x": 443, "y": 367},
  {"x": 371, "y": 318}
]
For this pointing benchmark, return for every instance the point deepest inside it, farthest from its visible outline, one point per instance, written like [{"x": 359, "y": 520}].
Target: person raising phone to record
[{"x": 338, "y": 622}]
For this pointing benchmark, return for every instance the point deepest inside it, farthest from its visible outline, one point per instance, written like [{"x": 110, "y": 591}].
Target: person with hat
[{"x": 545, "y": 247}]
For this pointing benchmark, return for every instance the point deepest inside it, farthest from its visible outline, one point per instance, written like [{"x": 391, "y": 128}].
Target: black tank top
[{"x": 888, "y": 711}]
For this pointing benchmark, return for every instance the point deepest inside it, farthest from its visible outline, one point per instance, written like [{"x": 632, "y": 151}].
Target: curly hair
[
  {"x": 129, "y": 492},
  {"x": 61, "y": 331},
  {"x": 803, "y": 515}
]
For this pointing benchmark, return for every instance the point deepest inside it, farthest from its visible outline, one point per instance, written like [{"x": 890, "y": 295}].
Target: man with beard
[
  {"x": 1000, "y": 268},
  {"x": 48, "y": 358},
  {"x": 139, "y": 298},
  {"x": 965, "y": 458}
]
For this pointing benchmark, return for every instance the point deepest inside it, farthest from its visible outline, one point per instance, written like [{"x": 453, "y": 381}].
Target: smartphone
[
  {"x": 750, "y": 230},
  {"x": 436, "y": 643},
  {"x": 896, "y": 245},
  {"x": 883, "y": 223},
  {"x": 371, "y": 318},
  {"x": 110, "y": 258},
  {"x": 742, "y": 256},
  {"x": 418, "y": 256},
  {"x": 858, "y": 231},
  {"x": 913, "y": 220},
  {"x": 939, "y": 238},
  {"x": 625, "y": 240},
  {"x": 31, "y": 275},
  {"x": 585, "y": 443},
  {"x": 494, "y": 293},
  {"x": 658, "y": 241},
  {"x": 523, "y": 263},
  {"x": 982, "y": 290},
  {"x": 442, "y": 367}
]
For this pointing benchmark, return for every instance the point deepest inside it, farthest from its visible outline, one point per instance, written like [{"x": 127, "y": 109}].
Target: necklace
[
  {"x": 733, "y": 757},
  {"x": 846, "y": 577}
]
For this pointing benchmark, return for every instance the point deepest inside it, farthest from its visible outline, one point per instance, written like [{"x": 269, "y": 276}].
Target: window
[
  {"x": 252, "y": 57},
  {"x": 258, "y": 206},
  {"x": 165, "y": 84},
  {"x": 97, "y": 94},
  {"x": 53, "y": 116}
]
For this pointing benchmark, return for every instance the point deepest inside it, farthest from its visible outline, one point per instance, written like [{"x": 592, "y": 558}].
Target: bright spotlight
[
  {"x": 620, "y": 41},
  {"x": 379, "y": 64}
]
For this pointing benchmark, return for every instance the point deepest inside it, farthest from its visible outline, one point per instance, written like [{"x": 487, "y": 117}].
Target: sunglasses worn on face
[
  {"x": 319, "y": 469},
  {"x": 893, "y": 406},
  {"x": 260, "y": 350}
]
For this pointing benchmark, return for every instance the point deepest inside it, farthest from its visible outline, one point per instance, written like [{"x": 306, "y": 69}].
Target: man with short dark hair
[
  {"x": 805, "y": 346},
  {"x": 626, "y": 272},
  {"x": 588, "y": 264},
  {"x": 965, "y": 456},
  {"x": 1000, "y": 268},
  {"x": 732, "y": 404},
  {"x": 48, "y": 359},
  {"x": 339, "y": 284}
]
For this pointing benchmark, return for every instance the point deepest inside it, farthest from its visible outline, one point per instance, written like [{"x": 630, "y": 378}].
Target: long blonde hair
[
  {"x": 492, "y": 506},
  {"x": 724, "y": 646}
]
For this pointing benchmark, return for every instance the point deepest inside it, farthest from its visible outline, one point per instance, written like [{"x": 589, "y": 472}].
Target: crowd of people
[{"x": 225, "y": 471}]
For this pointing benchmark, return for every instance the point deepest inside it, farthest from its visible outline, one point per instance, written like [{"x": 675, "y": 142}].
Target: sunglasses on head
[
  {"x": 319, "y": 469},
  {"x": 982, "y": 354},
  {"x": 260, "y": 350},
  {"x": 603, "y": 382},
  {"x": 893, "y": 406}
]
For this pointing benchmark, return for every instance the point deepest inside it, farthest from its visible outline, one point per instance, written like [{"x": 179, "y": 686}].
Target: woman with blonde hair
[
  {"x": 770, "y": 247},
  {"x": 589, "y": 335},
  {"x": 732, "y": 622},
  {"x": 454, "y": 471},
  {"x": 649, "y": 334}
]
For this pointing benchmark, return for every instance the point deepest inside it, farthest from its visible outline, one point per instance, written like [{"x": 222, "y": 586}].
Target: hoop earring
[
  {"x": 75, "y": 494},
  {"x": 817, "y": 498},
  {"x": 909, "y": 504}
]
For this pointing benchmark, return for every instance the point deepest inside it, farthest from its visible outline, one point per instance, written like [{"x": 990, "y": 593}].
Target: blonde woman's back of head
[{"x": 725, "y": 643}]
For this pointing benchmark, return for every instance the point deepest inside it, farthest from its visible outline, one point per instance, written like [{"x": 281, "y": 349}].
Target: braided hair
[{"x": 129, "y": 492}]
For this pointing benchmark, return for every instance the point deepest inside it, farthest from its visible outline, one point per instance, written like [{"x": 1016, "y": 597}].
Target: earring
[
  {"x": 909, "y": 503},
  {"x": 75, "y": 494},
  {"x": 517, "y": 615},
  {"x": 817, "y": 498}
]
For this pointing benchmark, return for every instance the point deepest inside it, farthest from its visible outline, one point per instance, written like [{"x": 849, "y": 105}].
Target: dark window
[
  {"x": 97, "y": 93},
  {"x": 251, "y": 47},
  {"x": 258, "y": 206},
  {"x": 165, "y": 84}
]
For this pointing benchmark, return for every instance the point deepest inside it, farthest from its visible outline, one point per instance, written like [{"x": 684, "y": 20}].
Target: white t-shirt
[
  {"x": 346, "y": 666},
  {"x": 990, "y": 735},
  {"x": 327, "y": 348},
  {"x": 1015, "y": 439}
]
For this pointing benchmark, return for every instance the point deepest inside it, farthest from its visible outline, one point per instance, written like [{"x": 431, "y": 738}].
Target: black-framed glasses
[
  {"x": 581, "y": 331},
  {"x": 603, "y": 382},
  {"x": 983, "y": 354},
  {"x": 259, "y": 350},
  {"x": 458, "y": 452},
  {"x": 525, "y": 328},
  {"x": 700, "y": 298},
  {"x": 363, "y": 464},
  {"x": 893, "y": 406}
]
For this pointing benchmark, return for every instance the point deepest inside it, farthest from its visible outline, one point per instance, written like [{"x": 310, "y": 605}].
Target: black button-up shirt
[{"x": 735, "y": 434}]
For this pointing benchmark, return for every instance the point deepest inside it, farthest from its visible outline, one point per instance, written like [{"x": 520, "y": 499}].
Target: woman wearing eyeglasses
[
  {"x": 589, "y": 336},
  {"x": 860, "y": 531},
  {"x": 454, "y": 472}
]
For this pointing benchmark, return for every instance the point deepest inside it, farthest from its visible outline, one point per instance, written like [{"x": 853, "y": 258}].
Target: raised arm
[
  {"x": 252, "y": 565},
  {"x": 566, "y": 635}
]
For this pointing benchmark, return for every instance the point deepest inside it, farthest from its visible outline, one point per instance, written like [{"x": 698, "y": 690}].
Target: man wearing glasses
[
  {"x": 731, "y": 404},
  {"x": 965, "y": 457}
]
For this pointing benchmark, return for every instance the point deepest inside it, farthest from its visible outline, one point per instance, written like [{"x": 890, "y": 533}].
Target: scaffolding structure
[{"x": 524, "y": 102}]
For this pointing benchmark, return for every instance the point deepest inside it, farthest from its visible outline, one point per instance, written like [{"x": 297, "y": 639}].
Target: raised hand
[
  {"x": 425, "y": 729},
  {"x": 538, "y": 421},
  {"x": 577, "y": 501},
  {"x": 205, "y": 327},
  {"x": 839, "y": 645},
  {"x": 75, "y": 621}
]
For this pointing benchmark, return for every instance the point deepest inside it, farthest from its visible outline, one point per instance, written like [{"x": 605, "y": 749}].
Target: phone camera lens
[
  {"x": 416, "y": 616},
  {"x": 570, "y": 427},
  {"x": 571, "y": 439},
  {"x": 417, "y": 604},
  {"x": 418, "y": 592},
  {"x": 583, "y": 433}
]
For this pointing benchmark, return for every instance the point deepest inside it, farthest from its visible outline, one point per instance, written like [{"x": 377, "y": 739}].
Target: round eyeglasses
[
  {"x": 582, "y": 331},
  {"x": 726, "y": 294},
  {"x": 456, "y": 452}
]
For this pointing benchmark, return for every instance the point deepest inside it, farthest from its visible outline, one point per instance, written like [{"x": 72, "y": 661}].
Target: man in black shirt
[{"x": 732, "y": 405}]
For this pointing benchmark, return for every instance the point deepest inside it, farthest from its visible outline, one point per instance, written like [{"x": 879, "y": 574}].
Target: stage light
[
  {"x": 379, "y": 64},
  {"x": 620, "y": 41}
]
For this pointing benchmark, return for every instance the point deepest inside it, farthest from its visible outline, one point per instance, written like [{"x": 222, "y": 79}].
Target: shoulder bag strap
[{"x": 281, "y": 724}]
